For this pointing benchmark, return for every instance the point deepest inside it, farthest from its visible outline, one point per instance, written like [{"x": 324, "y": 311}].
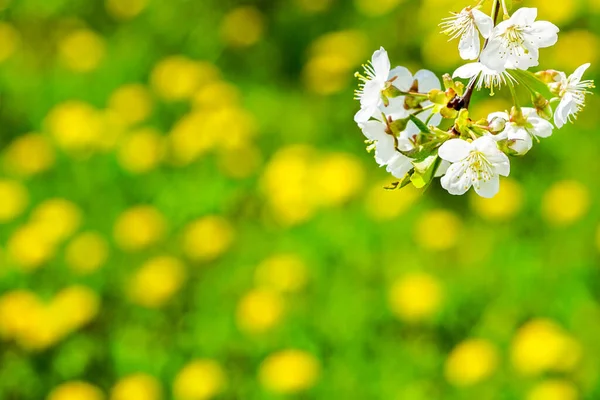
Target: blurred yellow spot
[
  {"x": 75, "y": 125},
  {"x": 504, "y": 206},
  {"x": 29, "y": 155},
  {"x": 565, "y": 202},
  {"x": 289, "y": 371},
  {"x": 285, "y": 182},
  {"x": 242, "y": 27},
  {"x": 74, "y": 307},
  {"x": 553, "y": 389},
  {"x": 76, "y": 390},
  {"x": 177, "y": 78},
  {"x": 216, "y": 95},
  {"x": 314, "y": 6},
  {"x": 557, "y": 12},
  {"x": 82, "y": 50},
  {"x": 133, "y": 103},
  {"x": 137, "y": 387},
  {"x": 29, "y": 247},
  {"x": 86, "y": 252},
  {"x": 56, "y": 218},
  {"x": 207, "y": 238},
  {"x": 125, "y": 9},
  {"x": 438, "y": 230},
  {"x": 157, "y": 281},
  {"x": 141, "y": 151},
  {"x": 374, "y": 8},
  {"x": 383, "y": 205},
  {"x": 259, "y": 310},
  {"x": 190, "y": 138},
  {"x": 241, "y": 162},
  {"x": 139, "y": 227},
  {"x": 415, "y": 297},
  {"x": 285, "y": 273},
  {"x": 541, "y": 345},
  {"x": 9, "y": 40},
  {"x": 573, "y": 49},
  {"x": 351, "y": 45},
  {"x": 13, "y": 200},
  {"x": 241, "y": 127},
  {"x": 438, "y": 53},
  {"x": 337, "y": 178},
  {"x": 199, "y": 380},
  {"x": 471, "y": 362},
  {"x": 14, "y": 306},
  {"x": 327, "y": 74}
]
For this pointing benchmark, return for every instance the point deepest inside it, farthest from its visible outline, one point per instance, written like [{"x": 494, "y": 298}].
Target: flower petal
[
  {"x": 427, "y": 81},
  {"x": 494, "y": 56},
  {"x": 373, "y": 130},
  {"x": 469, "y": 45},
  {"x": 468, "y": 71},
  {"x": 404, "y": 78},
  {"x": 578, "y": 74},
  {"x": 541, "y": 127},
  {"x": 364, "y": 114},
  {"x": 381, "y": 64},
  {"x": 543, "y": 33},
  {"x": 457, "y": 180},
  {"x": 524, "y": 16},
  {"x": 399, "y": 165},
  {"x": 484, "y": 23},
  {"x": 455, "y": 150},
  {"x": 489, "y": 188}
]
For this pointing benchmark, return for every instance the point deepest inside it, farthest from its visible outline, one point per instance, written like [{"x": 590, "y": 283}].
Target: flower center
[
  {"x": 481, "y": 168},
  {"x": 458, "y": 24},
  {"x": 513, "y": 40}
]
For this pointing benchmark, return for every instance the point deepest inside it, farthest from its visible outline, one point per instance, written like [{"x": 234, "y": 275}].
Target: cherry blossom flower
[
  {"x": 467, "y": 25},
  {"x": 515, "y": 43},
  {"x": 521, "y": 135},
  {"x": 479, "y": 164},
  {"x": 572, "y": 91}
]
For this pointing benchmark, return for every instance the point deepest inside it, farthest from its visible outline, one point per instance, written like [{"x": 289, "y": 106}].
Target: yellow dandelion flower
[
  {"x": 207, "y": 238},
  {"x": 199, "y": 380},
  {"x": 137, "y": 387},
  {"x": 157, "y": 281},
  {"x": 76, "y": 390},
  {"x": 415, "y": 297},
  {"x": 139, "y": 227},
  {"x": 86, "y": 252},
  {"x": 82, "y": 50},
  {"x": 289, "y": 371},
  {"x": 259, "y": 311},
  {"x": 471, "y": 362}
]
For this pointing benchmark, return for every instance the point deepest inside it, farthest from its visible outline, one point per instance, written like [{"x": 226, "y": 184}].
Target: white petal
[
  {"x": 543, "y": 33},
  {"x": 374, "y": 130},
  {"x": 541, "y": 127},
  {"x": 399, "y": 165},
  {"x": 524, "y": 16},
  {"x": 489, "y": 188},
  {"x": 494, "y": 56},
  {"x": 484, "y": 23},
  {"x": 469, "y": 45},
  {"x": 442, "y": 169},
  {"x": 562, "y": 112},
  {"x": 364, "y": 114},
  {"x": 371, "y": 94},
  {"x": 404, "y": 79},
  {"x": 523, "y": 144},
  {"x": 385, "y": 150},
  {"x": 578, "y": 74},
  {"x": 455, "y": 150},
  {"x": 427, "y": 81},
  {"x": 456, "y": 181},
  {"x": 468, "y": 71},
  {"x": 525, "y": 60},
  {"x": 499, "y": 114},
  {"x": 381, "y": 64},
  {"x": 493, "y": 154},
  {"x": 395, "y": 108},
  {"x": 516, "y": 133}
]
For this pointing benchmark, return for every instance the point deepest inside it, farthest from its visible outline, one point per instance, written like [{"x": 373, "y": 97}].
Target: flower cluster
[{"x": 419, "y": 128}]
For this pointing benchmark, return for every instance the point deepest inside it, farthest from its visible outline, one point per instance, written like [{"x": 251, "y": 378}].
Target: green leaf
[
  {"x": 425, "y": 171},
  {"x": 420, "y": 124},
  {"x": 402, "y": 183}
]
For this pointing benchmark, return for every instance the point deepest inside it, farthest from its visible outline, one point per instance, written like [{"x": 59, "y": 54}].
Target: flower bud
[
  {"x": 548, "y": 76},
  {"x": 542, "y": 106},
  {"x": 497, "y": 125},
  {"x": 436, "y": 96}
]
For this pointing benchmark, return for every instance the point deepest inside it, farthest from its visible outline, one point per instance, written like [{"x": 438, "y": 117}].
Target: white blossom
[
  {"x": 515, "y": 43},
  {"x": 521, "y": 135},
  {"x": 484, "y": 76},
  {"x": 572, "y": 91},
  {"x": 387, "y": 148},
  {"x": 466, "y": 25},
  {"x": 478, "y": 164}
]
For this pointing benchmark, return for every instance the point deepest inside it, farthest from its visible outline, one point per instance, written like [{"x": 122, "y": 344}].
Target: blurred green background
[{"x": 187, "y": 211}]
